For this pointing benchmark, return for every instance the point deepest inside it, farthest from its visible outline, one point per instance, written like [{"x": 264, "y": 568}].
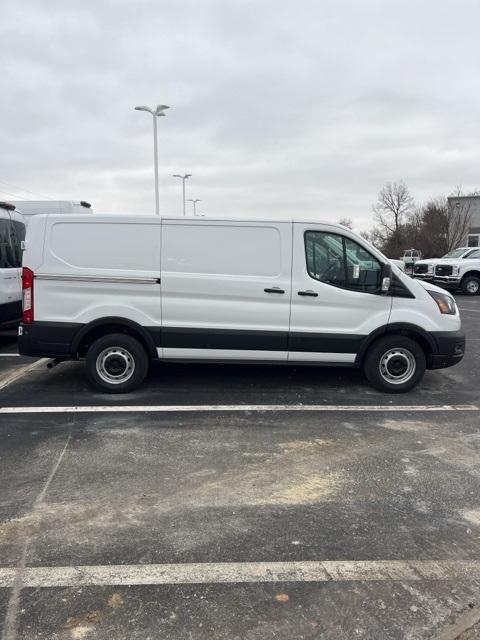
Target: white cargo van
[
  {"x": 121, "y": 290},
  {"x": 12, "y": 233}
]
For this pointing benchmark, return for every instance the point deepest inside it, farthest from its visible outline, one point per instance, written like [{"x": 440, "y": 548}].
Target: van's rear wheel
[
  {"x": 471, "y": 285},
  {"x": 116, "y": 363},
  {"x": 395, "y": 364}
]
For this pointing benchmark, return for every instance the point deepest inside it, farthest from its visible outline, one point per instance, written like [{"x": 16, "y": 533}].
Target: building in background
[{"x": 470, "y": 204}]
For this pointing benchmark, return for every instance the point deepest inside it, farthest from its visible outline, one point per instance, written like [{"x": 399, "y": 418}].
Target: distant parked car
[{"x": 425, "y": 269}]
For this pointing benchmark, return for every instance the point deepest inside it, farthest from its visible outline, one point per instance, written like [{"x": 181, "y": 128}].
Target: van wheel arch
[
  {"x": 105, "y": 326},
  {"x": 419, "y": 335}
]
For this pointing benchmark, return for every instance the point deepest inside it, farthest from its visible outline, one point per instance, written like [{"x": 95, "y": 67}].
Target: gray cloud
[{"x": 289, "y": 108}]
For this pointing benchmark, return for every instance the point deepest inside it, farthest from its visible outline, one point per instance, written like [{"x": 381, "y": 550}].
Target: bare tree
[
  {"x": 394, "y": 203},
  {"x": 347, "y": 222},
  {"x": 434, "y": 228},
  {"x": 458, "y": 191},
  {"x": 458, "y": 219}
]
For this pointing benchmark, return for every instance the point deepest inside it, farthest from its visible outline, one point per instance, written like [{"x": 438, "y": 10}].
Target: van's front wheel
[
  {"x": 395, "y": 364},
  {"x": 116, "y": 363}
]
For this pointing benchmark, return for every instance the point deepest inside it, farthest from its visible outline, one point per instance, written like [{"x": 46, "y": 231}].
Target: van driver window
[{"x": 341, "y": 262}]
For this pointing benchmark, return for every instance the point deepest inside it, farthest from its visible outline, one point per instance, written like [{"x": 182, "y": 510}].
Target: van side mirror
[{"x": 386, "y": 279}]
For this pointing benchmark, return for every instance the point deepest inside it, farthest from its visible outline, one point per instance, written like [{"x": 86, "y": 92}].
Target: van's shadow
[{"x": 183, "y": 383}]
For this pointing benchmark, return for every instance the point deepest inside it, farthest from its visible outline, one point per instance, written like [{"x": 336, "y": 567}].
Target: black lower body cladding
[
  {"x": 48, "y": 339},
  {"x": 61, "y": 340},
  {"x": 450, "y": 349}
]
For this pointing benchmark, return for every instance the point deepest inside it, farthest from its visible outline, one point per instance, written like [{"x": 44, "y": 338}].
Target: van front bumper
[{"x": 451, "y": 349}]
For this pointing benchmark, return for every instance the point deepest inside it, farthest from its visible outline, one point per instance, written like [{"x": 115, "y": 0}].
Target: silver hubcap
[
  {"x": 472, "y": 286},
  {"x": 115, "y": 365},
  {"x": 397, "y": 366}
]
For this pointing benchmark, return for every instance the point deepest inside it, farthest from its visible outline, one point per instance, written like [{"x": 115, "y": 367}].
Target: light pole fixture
[
  {"x": 194, "y": 202},
  {"x": 158, "y": 111},
  {"x": 183, "y": 178}
]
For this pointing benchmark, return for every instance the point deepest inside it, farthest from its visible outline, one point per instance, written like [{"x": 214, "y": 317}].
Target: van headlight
[{"x": 445, "y": 303}]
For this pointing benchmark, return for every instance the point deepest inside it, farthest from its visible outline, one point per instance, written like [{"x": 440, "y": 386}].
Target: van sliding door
[{"x": 225, "y": 289}]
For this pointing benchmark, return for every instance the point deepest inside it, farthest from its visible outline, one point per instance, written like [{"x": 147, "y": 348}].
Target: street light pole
[
  {"x": 155, "y": 164},
  {"x": 158, "y": 111},
  {"x": 183, "y": 178},
  {"x": 194, "y": 205}
]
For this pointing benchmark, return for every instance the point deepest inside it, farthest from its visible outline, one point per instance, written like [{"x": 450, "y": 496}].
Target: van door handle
[
  {"x": 274, "y": 290},
  {"x": 308, "y": 293}
]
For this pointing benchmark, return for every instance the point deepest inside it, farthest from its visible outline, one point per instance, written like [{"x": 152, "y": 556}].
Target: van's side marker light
[
  {"x": 243, "y": 572},
  {"x": 238, "y": 407}
]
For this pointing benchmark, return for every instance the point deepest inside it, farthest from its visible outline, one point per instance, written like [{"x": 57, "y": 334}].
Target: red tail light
[{"x": 27, "y": 295}]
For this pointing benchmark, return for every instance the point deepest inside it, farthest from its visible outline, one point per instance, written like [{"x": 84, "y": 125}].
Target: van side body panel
[
  {"x": 98, "y": 268},
  {"x": 225, "y": 289}
]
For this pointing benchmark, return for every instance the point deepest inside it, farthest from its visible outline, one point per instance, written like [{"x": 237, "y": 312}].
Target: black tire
[
  {"x": 382, "y": 365},
  {"x": 116, "y": 363},
  {"x": 471, "y": 285}
]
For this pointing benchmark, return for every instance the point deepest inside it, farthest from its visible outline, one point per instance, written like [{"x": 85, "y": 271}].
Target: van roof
[
  {"x": 33, "y": 207},
  {"x": 199, "y": 219}
]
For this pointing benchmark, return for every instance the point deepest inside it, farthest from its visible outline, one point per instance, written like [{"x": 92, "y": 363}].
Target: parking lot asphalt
[{"x": 241, "y": 523}]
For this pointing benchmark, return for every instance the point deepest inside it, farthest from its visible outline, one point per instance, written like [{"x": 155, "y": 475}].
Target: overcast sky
[{"x": 296, "y": 108}]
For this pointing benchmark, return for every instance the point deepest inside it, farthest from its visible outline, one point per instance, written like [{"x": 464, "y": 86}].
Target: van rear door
[{"x": 225, "y": 289}]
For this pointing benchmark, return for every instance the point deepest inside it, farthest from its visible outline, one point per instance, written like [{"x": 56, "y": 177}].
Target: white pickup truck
[
  {"x": 425, "y": 269},
  {"x": 460, "y": 274}
]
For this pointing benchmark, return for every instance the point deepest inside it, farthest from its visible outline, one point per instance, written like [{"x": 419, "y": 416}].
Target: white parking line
[
  {"x": 243, "y": 572},
  {"x": 9, "y": 355},
  {"x": 470, "y": 310},
  {"x": 239, "y": 407},
  {"x": 21, "y": 371}
]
